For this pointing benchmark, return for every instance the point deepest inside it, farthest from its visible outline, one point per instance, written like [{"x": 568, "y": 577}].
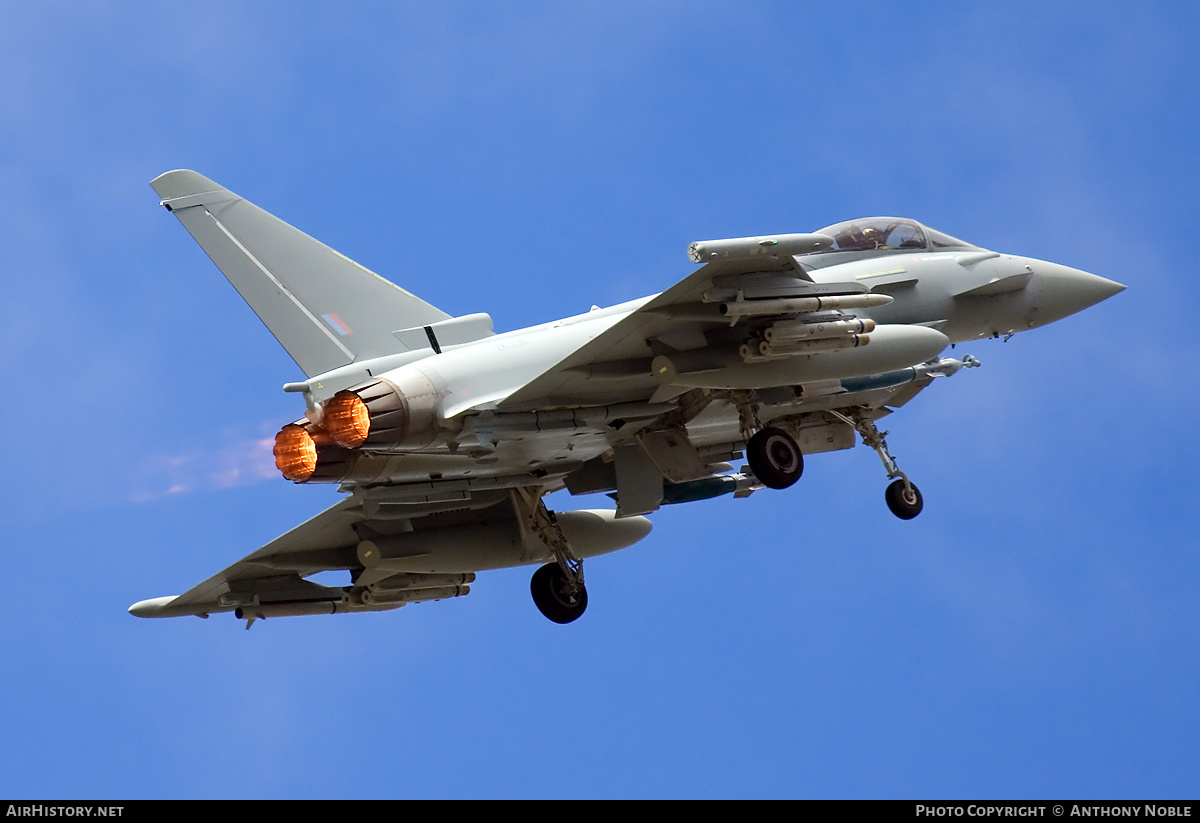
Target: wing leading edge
[{"x": 703, "y": 332}]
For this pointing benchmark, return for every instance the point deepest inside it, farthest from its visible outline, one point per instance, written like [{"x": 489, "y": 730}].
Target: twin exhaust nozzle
[{"x": 344, "y": 420}]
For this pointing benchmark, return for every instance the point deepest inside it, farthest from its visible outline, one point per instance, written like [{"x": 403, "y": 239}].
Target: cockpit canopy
[{"x": 889, "y": 234}]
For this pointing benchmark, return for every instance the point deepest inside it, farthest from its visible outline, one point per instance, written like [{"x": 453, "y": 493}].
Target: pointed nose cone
[{"x": 1065, "y": 291}]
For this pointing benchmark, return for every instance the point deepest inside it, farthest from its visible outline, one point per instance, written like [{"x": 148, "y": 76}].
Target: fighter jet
[{"x": 445, "y": 436}]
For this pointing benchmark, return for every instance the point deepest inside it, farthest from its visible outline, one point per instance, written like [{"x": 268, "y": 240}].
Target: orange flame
[
  {"x": 347, "y": 420},
  {"x": 295, "y": 453}
]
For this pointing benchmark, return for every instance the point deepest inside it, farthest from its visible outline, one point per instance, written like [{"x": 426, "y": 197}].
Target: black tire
[
  {"x": 549, "y": 590},
  {"x": 905, "y": 506},
  {"x": 775, "y": 458}
]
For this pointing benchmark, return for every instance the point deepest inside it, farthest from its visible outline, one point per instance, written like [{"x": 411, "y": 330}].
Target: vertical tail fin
[{"x": 323, "y": 308}]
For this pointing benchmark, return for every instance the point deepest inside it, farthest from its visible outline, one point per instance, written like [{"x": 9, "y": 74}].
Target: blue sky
[{"x": 1032, "y": 634}]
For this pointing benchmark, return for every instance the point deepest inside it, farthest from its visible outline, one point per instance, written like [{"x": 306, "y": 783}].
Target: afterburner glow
[{"x": 295, "y": 453}]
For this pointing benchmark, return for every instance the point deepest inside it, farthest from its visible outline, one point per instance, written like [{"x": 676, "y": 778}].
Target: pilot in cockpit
[{"x": 852, "y": 239}]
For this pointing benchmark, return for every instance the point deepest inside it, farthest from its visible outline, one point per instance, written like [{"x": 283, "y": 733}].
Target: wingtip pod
[{"x": 154, "y": 607}]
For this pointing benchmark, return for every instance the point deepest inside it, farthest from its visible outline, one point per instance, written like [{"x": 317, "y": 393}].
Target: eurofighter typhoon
[{"x": 446, "y": 436}]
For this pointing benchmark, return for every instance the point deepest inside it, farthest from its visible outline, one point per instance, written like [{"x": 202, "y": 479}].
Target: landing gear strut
[
  {"x": 557, "y": 587},
  {"x": 902, "y": 496}
]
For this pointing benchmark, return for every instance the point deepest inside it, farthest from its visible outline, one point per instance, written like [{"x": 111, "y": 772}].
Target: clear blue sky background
[{"x": 1033, "y": 634}]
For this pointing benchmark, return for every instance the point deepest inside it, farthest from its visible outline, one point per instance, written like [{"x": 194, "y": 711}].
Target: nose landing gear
[
  {"x": 902, "y": 496},
  {"x": 776, "y": 460},
  {"x": 904, "y": 499}
]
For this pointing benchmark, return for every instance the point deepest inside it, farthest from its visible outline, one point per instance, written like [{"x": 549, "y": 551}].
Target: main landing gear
[
  {"x": 902, "y": 495},
  {"x": 557, "y": 587},
  {"x": 555, "y": 595},
  {"x": 775, "y": 458},
  {"x": 773, "y": 454}
]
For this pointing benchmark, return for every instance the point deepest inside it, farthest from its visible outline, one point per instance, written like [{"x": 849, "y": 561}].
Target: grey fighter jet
[{"x": 446, "y": 436}]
